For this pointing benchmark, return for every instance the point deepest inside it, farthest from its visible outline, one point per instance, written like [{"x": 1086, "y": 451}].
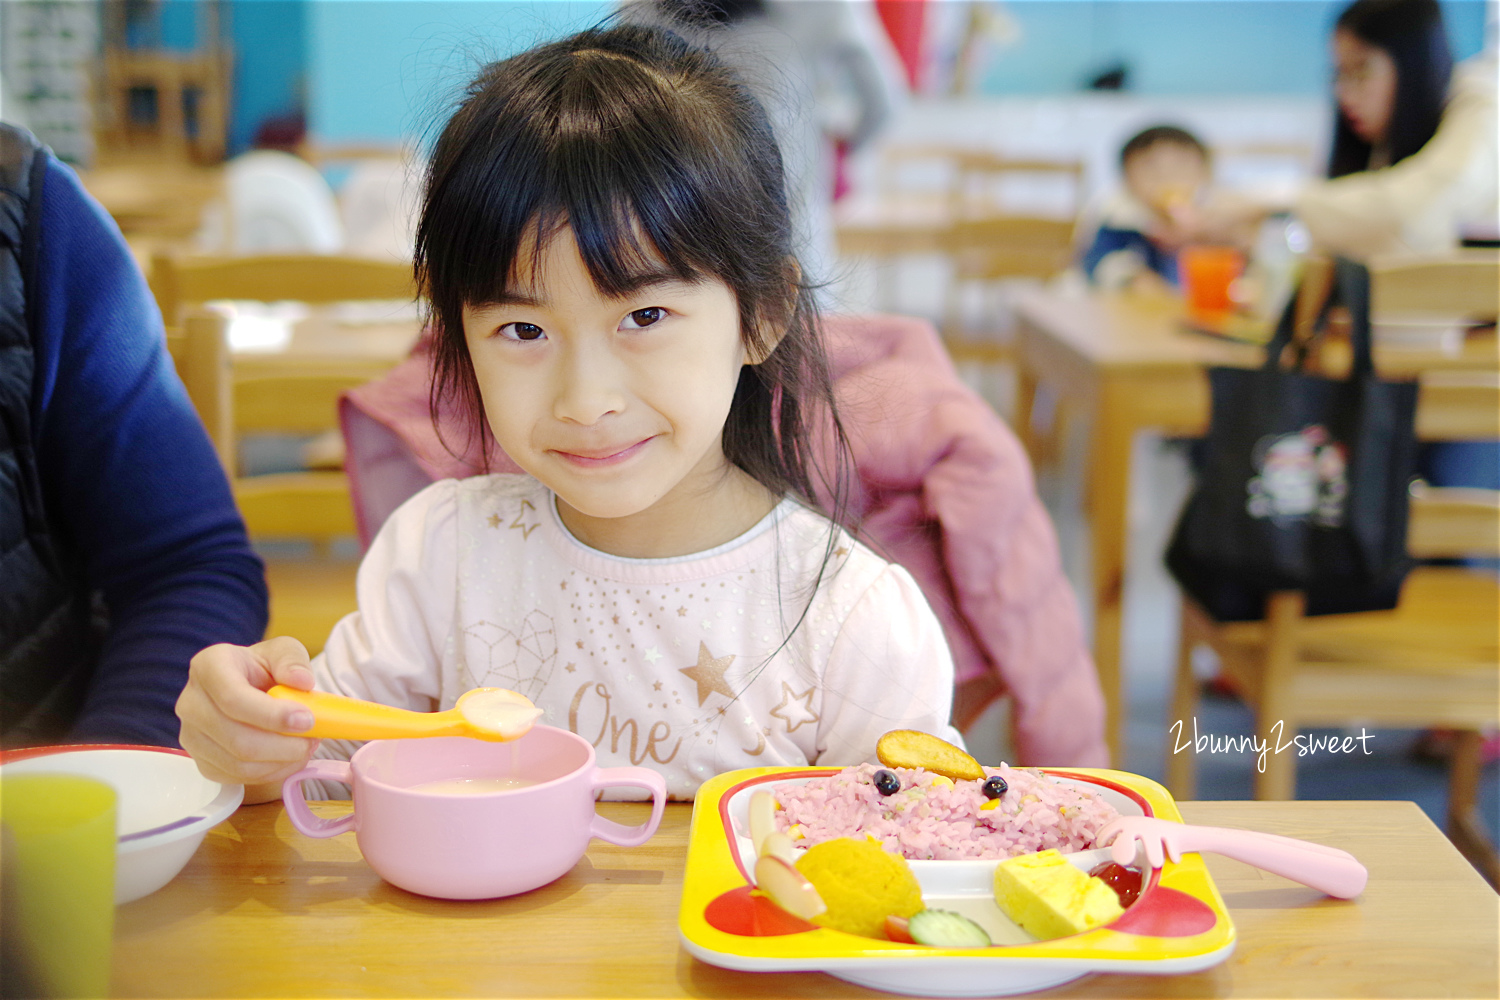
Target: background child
[
  {"x": 1167, "y": 171},
  {"x": 606, "y": 248}
]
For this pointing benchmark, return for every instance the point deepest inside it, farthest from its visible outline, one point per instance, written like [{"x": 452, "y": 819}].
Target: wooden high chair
[{"x": 1434, "y": 661}]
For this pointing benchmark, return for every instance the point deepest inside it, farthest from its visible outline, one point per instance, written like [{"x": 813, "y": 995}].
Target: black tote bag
[{"x": 1303, "y": 480}]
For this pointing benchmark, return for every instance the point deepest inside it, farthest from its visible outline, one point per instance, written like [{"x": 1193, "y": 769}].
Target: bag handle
[{"x": 1349, "y": 286}]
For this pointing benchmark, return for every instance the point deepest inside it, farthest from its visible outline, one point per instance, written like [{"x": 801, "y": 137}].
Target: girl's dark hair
[
  {"x": 1411, "y": 32},
  {"x": 1158, "y": 134},
  {"x": 658, "y": 159}
]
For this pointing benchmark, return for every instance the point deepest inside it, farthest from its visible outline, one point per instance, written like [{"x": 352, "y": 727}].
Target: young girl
[{"x": 606, "y": 249}]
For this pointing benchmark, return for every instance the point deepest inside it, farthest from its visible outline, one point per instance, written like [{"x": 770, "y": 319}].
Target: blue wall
[
  {"x": 1187, "y": 46},
  {"x": 382, "y": 70},
  {"x": 270, "y": 60}
]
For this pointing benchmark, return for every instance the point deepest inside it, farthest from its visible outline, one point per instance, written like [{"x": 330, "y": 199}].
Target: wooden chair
[
  {"x": 989, "y": 184},
  {"x": 987, "y": 250},
  {"x": 1434, "y": 661},
  {"x": 180, "y": 281},
  {"x": 1014, "y": 220},
  {"x": 922, "y": 192},
  {"x": 311, "y": 507}
]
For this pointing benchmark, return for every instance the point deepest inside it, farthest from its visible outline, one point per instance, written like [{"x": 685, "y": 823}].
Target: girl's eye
[
  {"x": 642, "y": 318},
  {"x": 520, "y": 331}
]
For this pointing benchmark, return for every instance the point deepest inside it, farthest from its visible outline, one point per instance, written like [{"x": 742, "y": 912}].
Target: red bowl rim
[{"x": 26, "y": 753}]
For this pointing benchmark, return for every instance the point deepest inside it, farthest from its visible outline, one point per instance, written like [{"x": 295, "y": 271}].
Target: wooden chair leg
[
  {"x": 1182, "y": 766},
  {"x": 1465, "y": 829},
  {"x": 1283, "y": 614},
  {"x": 1025, "y": 403}
]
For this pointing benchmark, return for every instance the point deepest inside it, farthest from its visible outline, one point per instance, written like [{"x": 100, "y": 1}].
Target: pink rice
[{"x": 933, "y": 822}]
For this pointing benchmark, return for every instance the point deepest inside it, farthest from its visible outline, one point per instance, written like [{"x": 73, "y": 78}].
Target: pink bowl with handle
[{"x": 475, "y": 846}]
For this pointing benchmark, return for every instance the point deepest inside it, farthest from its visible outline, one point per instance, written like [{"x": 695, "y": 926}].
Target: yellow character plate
[{"x": 1179, "y": 923}]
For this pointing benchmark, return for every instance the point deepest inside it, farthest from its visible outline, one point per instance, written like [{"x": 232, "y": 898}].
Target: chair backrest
[
  {"x": 181, "y": 281},
  {"x": 987, "y": 248},
  {"x": 1464, "y": 285},
  {"x": 200, "y": 352},
  {"x": 1455, "y": 521},
  {"x": 1460, "y": 404},
  {"x": 990, "y": 184},
  {"x": 969, "y": 182},
  {"x": 312, "y": 505}
]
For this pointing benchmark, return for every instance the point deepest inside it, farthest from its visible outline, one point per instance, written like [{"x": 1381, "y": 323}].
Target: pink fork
[{"x": 1326, "y": 869}]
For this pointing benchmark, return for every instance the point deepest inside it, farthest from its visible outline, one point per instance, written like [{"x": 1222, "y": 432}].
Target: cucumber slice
[{"x": 946, "y": 929}]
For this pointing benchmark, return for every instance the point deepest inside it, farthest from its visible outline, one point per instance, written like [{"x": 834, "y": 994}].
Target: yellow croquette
[{"x": 862, "y": 883}]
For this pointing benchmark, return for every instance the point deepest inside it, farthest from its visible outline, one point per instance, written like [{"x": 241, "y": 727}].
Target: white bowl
[{"x": 165, "y": 806}]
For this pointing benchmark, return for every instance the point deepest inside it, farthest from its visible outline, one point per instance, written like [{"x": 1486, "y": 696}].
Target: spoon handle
[{"x": 339, "y": 718}]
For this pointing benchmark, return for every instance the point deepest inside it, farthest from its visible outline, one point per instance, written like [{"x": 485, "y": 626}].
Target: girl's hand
[{"x": 233, "y": 729}]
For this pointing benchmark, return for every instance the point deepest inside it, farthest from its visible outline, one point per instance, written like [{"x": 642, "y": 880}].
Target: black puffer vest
[{"x": 48, "y": 638}]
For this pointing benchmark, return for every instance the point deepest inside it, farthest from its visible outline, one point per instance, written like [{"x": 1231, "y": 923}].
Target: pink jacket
[{"x": 944, "y": 488}]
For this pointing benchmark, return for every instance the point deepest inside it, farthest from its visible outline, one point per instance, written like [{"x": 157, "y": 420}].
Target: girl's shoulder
[{"x": 843, "y": 561}]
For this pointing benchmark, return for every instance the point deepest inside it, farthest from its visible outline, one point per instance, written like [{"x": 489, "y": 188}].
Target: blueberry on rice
[
  {"x": 886, "y": 782},
  {"x": 994, "y": 787}
]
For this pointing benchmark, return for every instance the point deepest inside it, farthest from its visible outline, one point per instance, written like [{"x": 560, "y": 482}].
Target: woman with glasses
[
  {"x": 1413, "y": 164},
  {"x": 1412, "y": 170}
]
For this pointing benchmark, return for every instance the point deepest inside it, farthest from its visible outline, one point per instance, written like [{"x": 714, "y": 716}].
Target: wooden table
[
  {"x": 1127, "y": 363},
  {"x": 262, "y": 911}
]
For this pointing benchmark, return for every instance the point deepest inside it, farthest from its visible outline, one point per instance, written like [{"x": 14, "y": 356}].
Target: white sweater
[{"x": 675, "y": 664}]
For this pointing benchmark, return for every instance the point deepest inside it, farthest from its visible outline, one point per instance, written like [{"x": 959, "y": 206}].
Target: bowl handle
[
  {"x": 632, "y": 777},
  {"x": 296, "y": 806}
]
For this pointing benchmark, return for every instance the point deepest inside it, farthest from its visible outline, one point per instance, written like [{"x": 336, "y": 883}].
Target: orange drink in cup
[{"x": 1207, "y": 273}]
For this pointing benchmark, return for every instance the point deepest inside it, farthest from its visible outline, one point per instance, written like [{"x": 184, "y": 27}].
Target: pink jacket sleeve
[{"x": 946, "y": 490}]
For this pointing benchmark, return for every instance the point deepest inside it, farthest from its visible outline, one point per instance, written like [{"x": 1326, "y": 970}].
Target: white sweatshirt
[{"x": 676, "y": 664}]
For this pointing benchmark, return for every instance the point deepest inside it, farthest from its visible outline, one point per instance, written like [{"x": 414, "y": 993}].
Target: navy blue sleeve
[
  {"x": 130, "y": 478},
  {"x": 1109, "y": 239}
]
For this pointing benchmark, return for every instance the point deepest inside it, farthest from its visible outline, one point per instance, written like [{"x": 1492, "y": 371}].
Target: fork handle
[{"x": 1323, "y": 868}]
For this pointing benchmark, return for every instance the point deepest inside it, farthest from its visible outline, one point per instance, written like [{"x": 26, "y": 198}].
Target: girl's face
[
  {"x": 1365, "y": 85},
  {"x": 618, "y": 404}
]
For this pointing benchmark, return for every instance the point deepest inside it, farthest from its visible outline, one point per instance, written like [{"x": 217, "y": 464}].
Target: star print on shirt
[
  {"x": 652, "y": 654},
  {"x": 795, "y": 709},
  {"x": 518, "y": 523},
  {"x": 708, "y": 674},
  {"x": 494, "y": 520}
]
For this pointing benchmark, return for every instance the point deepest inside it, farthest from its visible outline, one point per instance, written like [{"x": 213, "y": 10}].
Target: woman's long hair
[{"x": 1411, "y": 32}]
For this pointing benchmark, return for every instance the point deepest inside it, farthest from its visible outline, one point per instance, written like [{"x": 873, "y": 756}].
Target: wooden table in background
[
  {"x": 1127, "y": 363},
  {"x": 262, "y": 911}
]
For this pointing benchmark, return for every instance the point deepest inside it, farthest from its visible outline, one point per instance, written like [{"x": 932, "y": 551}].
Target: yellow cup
[{"x": 57, "y": 855}]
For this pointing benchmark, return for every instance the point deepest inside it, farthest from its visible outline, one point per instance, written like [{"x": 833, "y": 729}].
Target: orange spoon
[{"x": 496, "y": 714}]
